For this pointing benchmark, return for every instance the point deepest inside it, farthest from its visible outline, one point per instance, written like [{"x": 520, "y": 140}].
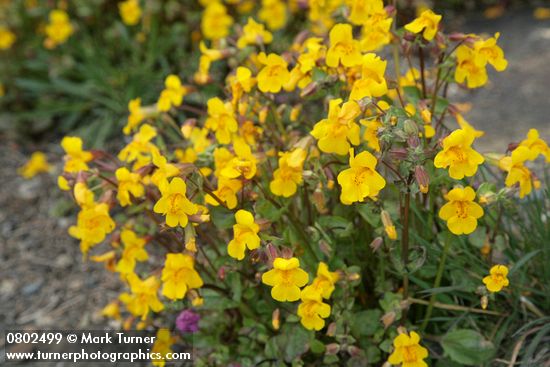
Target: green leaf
[
  {"x": 366, "y": 322},
  {"x": 222, "y": 218},
  {"x": 467, "y": 347}
]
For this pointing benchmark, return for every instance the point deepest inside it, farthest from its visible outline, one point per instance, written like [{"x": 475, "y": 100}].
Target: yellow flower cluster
[{"x": 59, "y": 29}]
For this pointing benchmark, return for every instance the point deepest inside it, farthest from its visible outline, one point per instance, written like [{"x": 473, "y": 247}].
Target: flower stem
[
  {"x": 437, "y": 282},
  {"x": 405, "y": 249}
]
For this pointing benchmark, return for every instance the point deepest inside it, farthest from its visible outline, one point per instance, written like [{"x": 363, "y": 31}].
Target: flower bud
[
  {"x": 410, "y": 128},
  {"x": 309, "y": 89},
  {"x": 331, "y": 329},
  {"x": 484, "y": 302},
  {"x": 376, "y": 243},
  {"x": 426, "y": 115},
  {"x": 422, "y": 178},
  {"x": 272, "y": 253},
  {"x": 332, "y": 348},
  {"x": 325, "y": 248},
  {"x": 221, "y": 273},
  {"x": 276, "y": 319}
]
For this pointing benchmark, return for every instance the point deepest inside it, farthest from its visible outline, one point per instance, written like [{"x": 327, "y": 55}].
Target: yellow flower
[
  {"x": 427, "y": 23},
  {"x": 372, "y": 82},
  {"x": 130, "y": 12},
  {"x": 174, "y": 204},
  {"x": 164, "y": 170},
  {"x": 273, "y": 12},
  {"x": 215, "y": 21},
  {"x": 112, "y": 310},
  {"x": 361, "y": 10},
  {"x": 312, "y": 310},
  {"x": 388, "y": 225},
  {"x": 143, "y": 297},
  {"x": 360, "y": 180},
  {"x": 465, "y": 125},
  {"x": 162, "y": 347},
  {"x": 35, "y": 165},
  {"x": 408, "y": 352},
  {"x": 7, "y": 38},
  {"x": 243, "y": 164},
  {"x": 221, "y": 120},
  {"x": 253, "y": 34},
  {"x": 76, "y": 159},
  {"x": 135, "y": 117},
  {"x": 274, "y": 74},
  {"x": 245, "y": 234},
  {"x": 128, "y": 183},
  {"x": 536, "y": 145},
  {"x": 458, "y": 154},
  {"x": 227, "y": 192},
  {"x": 375, "y": 32},
  {"x": 83, "y": 195},
  {"x": 59, "y": 29},
  {"x": 92, "y": 225},
  {"x": 461, "y": 212},
  {"x": 241, "y": 82},
  {"x": 468, "y": 69},
  {"x": 133, "y": 251},
  {"x": 487, "y": 51},
  {"x": 338, "y": 130},
  {"x": 179, "y": 275},
  {"x": 343, "y": 48},
  {"x": 140, "y": 147},
  {"x": 288, "y": 176},
  {"x": 517, "y": 172},
  {"x": 286, "y": 278},
  {"x": 172, "y": 95},
  {"x": 497, "y": 278},
  {"x": 371, "y": 133},
  {"x": 324, "y": 281}
]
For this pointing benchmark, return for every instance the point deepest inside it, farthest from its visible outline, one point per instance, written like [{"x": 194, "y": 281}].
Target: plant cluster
[{"x": 240, "y": 209}]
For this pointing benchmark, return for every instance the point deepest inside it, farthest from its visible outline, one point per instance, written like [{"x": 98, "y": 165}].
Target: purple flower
[{"x": 188, "y": 321}]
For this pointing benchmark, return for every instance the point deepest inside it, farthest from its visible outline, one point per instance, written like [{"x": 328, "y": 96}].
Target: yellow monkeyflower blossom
[
  {"x": 376, "y": 31},
  {"x": 221, "y": 120},
  {"x": 179, "y": 275},
  {"x": 372, "y": 82},
  {"x": 339, "y": 129},
  {"x": 112, "y": 310},
  {"x": 7, "y": 38},
  {"x": 497, "y": 278},
  {"x": 140, "y": 147},
  {"x": 174, "y": 204},
  {"x": 59, "y": 29},
  {"x": 243, "y": 164},
  {"x": 360, "y": 180},
  {"x": 467, "y": 68},
  {"x": 172, "y": 95},
  {"x": 162, "y": 347},
  {"x": 408, "y": 352},
  {"x": 245, "y": 234},
  {"x": 164, "y": 170},
  {"x": 427, "y": 24},
  {"x": 128, "y": 183},
  {"x": 286, "y": 278},
  {"x": 461, "y": 211},
  {"x": 361, "y": 10},
  {"x": 227, "y": 192},
  {"x": 215, "y": 21},
  {"x": 487, "y": 51},
  {"x": 38, "y": 163},
  {"x": 143, "y": 297},
  {"x": 273, "y": 13},
  {"x": 136, "y": 115},
  {"x": 312, "y": 310},
  {"x": 288, "y": 176},
  {"x": 343, "y": 48},
  {"x": 371, "y": 133},
  {"x": 133, "y": 251},
  {"x": 517, "y": 172},
  {"x": 536, "y": 145},
  {"x": 84, "y": 197},
  {"x": 75, "y": 158},
  {"x": 130, "y": 11},
  {"x": 253, "y": 34},
  {"x": 241, "y": 82},
  {"x": 92, "y": 225},
  {"x": 274, "y": 74},
  {"x": 325, "y": 280},
  {"x": 458, "y": 155}
]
